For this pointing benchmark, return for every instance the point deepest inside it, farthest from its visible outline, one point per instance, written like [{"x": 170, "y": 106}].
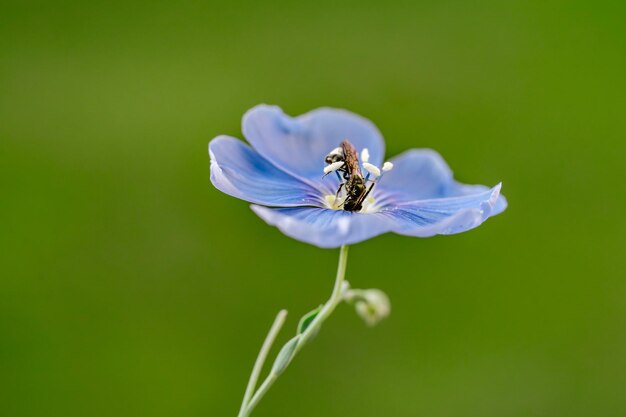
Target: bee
[{"x": 355, "y": 185}]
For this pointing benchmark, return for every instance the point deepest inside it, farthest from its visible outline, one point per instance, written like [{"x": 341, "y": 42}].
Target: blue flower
[{"x": 288, "y": 175}]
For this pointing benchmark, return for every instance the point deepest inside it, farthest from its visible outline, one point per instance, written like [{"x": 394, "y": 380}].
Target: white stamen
[
  {"x": 372, "y": 169},
  {"x": 333, "y": 167},
  {"x": 365, "y": 155},
  {"x": 336, "y": 151},
  {"x": 387, "y": 166}
]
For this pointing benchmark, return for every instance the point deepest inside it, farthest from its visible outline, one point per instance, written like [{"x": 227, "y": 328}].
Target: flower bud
[{"x": 372, "y": 305}]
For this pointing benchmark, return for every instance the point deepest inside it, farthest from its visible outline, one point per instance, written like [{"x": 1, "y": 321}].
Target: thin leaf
[
  {"x": 307, "y": 319},
  {"x": 284, "y": 356}
]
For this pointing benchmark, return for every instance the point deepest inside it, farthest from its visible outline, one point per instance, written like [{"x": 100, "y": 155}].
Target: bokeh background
[{"x": 130, "y": 287}]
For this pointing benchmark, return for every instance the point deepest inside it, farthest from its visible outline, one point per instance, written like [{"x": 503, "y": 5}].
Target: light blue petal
[
  {"x": 324, "y": 227},
  {"x": 501, "y": 205},
  {"x": 298, "y": 145},
  {"x": 445, "y": 216},
  {"x": 456, "y": 189},
  {"x": 420, "y": 174},
  {"x": 238, "y": 170},
  {"x": 332, "y": 228},
  {"x": 417, "y": 174}
]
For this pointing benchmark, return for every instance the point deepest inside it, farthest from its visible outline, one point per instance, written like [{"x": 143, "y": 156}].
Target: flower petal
[
  {"x": 445, "y": 216},
  {"x": 420, "y": 174},
  {"x": 332, "y": 228},
  {"x": 324, "y": 227},
  {"x": 417, "y": 174},
  {"x": 298, "y": 145},
  {"x": 238, "y": 170},
  {"x": 456, "y": 189}
]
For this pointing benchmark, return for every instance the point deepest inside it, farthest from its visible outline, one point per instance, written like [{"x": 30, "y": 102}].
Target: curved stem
[
  {"x": 333, "y": 301},
  {"x": 260, "y": 360},
  {"x": 325, "y": 312}
]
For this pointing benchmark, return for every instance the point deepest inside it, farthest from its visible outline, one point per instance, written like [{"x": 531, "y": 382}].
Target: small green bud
[{"x": 372, "y": 305}]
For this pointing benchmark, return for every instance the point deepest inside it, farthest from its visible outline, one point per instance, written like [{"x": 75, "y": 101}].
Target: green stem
[
  {"x": 260, "y": 360},
  {"x": 325, "y": 312},
  {"x": 333, "y": 301}
]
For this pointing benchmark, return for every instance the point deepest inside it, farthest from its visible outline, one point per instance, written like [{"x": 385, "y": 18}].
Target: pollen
[
  {"x": 333, "y": 202},
  {"x": 387, "y": 166},
  {"x": 370, "y": 206}
]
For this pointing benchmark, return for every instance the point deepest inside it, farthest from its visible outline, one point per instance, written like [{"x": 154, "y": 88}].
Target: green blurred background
[{"x": 130, "y": 287}]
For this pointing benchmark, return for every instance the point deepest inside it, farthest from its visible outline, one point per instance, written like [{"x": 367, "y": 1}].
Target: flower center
[
  {"x": 335, "y": 202},
  {"x": 354, "y": 189}
]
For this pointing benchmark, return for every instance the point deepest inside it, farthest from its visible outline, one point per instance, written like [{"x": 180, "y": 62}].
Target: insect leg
[
  {"x": 339, "y": 189},
  {"x": 369, "y": 190},
  {"x": 361, "y": 199}
]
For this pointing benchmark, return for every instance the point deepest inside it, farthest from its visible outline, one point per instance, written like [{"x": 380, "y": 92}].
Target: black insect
[{"x": 354, "y": 183}]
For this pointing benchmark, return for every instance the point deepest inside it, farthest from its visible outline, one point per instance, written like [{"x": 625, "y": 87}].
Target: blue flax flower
[{"x": 294, "y": 171}]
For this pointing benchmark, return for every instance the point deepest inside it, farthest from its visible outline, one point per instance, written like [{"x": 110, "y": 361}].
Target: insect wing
[{"x": 351, "y": 159}]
